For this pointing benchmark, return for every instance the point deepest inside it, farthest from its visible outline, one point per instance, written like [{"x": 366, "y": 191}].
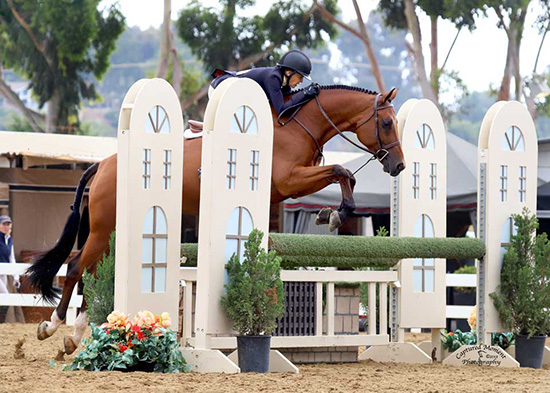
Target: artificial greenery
[
  {"x": 99, "y": 290},
  {"x": 123, "y": 345},
  {"x": 358, "y": 251},
  {"x": 466, "y": 270},
  {"x": 453, "y": 340},
  {"x": 254, "y": 297},
  {"x": 523, "y": 296}
]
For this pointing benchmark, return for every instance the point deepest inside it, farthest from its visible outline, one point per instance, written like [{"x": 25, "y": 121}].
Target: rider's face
[{"x": 295, "y": 80}]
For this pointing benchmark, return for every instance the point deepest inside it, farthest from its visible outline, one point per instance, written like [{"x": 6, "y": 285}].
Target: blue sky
[{"x": 478, "y": 56}]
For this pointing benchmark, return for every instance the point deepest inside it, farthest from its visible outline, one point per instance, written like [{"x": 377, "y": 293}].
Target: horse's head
[{"x": 377, "y": 130}]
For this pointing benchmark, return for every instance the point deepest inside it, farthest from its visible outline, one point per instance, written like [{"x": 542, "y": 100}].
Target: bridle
[
  {"x": 380, "y": 154},
  {"x": 383, "y": 150}
]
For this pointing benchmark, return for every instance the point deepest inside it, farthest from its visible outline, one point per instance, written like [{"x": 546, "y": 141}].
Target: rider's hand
[{"x": 312, "y": 90}]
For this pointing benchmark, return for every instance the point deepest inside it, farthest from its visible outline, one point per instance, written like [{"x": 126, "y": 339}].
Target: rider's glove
[{"x": 312, "y": 90}]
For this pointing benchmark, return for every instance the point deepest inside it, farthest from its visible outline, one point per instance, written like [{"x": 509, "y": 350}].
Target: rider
[{"x": 276, "y": 81}]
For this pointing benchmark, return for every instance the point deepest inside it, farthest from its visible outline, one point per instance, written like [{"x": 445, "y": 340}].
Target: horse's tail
[{"x": 46, "y": 266}]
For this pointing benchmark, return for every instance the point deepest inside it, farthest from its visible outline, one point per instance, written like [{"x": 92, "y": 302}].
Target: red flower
[
  {"x": 122, "y": 348},
  {"x": 136, "y": 328},
  {"x": 141, "y": 336}
]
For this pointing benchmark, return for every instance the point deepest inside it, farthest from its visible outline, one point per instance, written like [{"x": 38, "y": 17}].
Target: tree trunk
[
  {"x": 434, "y": 72},
  {"x": 375, "y": 69},
  {"x": 504, "y": 90},
  {"x": 165, "y": 44},
  {"x": 420, "y": 68},
  {"x": 52, "y": 116}
]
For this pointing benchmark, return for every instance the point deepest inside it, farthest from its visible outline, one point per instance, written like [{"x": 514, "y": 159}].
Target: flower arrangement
[
  {"x": 453, "y": 340},
  {"x": 145, "y": 344}
]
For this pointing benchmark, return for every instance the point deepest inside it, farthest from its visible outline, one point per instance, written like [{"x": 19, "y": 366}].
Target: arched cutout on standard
[
  {"x": 424, "y": 268},
  {"x": 508, "y": 230},
  {"x": 513, "y": 140},
  {"x": 239, "y": 226},
  {"x": 154, "y": 251},
  {"x": 157, "y": 121},
  {"x": 424, "y": 138},
  {"x": 244, "y": 121}
]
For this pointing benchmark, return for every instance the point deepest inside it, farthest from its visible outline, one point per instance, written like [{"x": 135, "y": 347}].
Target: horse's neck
[{"x": 341, "y": 107}]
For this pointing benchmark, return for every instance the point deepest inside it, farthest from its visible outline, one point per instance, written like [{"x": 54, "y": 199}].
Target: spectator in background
[{"x": 6, "y": 252}]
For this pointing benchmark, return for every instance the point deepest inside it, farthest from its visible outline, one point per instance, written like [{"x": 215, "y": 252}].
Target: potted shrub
[
  {"x": 523, "y": 296},
  {"x": 254, "y": 299}
]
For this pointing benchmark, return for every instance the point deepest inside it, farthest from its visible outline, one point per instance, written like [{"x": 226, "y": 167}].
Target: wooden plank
[
  {"x": 372, "y": 308},
  {"x": 319, "y": 309},
  {"x": 383, "y": 308},
  {"x": 32, "y": 300},
  {"x": 330, "y": 309},
  {"x": 306, "y": 341}
]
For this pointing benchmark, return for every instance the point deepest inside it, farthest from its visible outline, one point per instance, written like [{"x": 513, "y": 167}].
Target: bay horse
[{"x": 297, "y": 153}]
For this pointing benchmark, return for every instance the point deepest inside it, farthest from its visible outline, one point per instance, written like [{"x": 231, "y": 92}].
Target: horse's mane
[{"x": 337, "y": 87}]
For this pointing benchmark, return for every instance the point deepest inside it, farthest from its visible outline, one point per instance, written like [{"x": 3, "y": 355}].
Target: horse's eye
[{"x": 386, "y": 123}]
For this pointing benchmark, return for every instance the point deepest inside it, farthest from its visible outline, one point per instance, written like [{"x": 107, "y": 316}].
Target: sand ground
[{"x": 33, "y": 373}]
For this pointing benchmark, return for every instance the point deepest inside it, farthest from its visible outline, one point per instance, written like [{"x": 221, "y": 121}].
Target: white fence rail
[
  {"x": 321, "y": 338},
  {"x": 460, "y": 280},
  {"x": 34, "y": 300}
]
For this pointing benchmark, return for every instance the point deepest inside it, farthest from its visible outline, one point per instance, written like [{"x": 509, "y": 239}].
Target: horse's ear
[{"x": 389, "y": 96}]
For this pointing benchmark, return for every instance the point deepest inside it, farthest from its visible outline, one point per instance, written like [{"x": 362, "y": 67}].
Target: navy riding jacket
[
  {"x": 271, "y": 81},
  {"x": 5, "y": 249}
]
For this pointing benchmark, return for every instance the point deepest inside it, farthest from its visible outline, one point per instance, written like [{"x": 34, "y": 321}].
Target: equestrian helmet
[{"x": 297, "y": 61}]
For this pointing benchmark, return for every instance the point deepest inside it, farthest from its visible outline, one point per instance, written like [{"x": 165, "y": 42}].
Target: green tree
[
  {"x": 402, "y": 14},
  {"x": 221, "y": 38},
  {"x": 58, "y": 46}
]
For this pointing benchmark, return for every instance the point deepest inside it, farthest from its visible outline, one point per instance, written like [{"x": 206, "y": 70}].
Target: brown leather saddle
[
  {"x": 195, "y": 126},
  {"x": 194, "y": 130}
]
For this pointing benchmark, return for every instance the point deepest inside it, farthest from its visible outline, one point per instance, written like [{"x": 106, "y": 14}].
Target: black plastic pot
[
  {"x": 529, "y": 351},
  {"x": 253, "y": 353},
  {"x": 140, "y": 366}
]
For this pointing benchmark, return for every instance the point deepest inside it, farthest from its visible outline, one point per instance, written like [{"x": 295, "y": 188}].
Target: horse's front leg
[{"x": 308, "y": 180}]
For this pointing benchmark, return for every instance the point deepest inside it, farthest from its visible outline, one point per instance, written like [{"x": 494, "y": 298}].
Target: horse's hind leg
[
  {"x": 71, "y": 342},
  {"x": 47, "y": 329},
  {"x": 95, "y": 247}
]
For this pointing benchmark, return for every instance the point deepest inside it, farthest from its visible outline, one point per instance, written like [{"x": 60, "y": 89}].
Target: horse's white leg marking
[
  {"x": 80, "y": 326},
  {"x": 46, "y": 329}
]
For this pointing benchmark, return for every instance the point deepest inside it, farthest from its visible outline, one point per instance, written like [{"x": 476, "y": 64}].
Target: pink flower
[
  {"x": 117, "y": 319},
  {"x": 165, "y": 320},
  {"x": 144, "y": 318}
]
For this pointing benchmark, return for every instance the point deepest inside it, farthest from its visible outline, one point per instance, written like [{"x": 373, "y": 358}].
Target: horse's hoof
[
  {"x": 335, "y": 221},
  {"x": 42, "y": 332},
  {"x": 69, "y": 344},
  {"x": 323, "y": 216}
]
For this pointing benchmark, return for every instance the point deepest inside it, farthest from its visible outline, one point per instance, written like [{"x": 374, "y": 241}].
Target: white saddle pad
[{"x": 188, "y": 134}]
